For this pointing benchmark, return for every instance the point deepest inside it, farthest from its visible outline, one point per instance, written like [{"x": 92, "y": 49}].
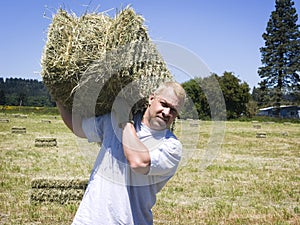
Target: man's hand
[{"x": 122, "y": 111}]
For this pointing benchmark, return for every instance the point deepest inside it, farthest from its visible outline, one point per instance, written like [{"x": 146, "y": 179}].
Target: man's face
[{"x": 162, "y": 110}]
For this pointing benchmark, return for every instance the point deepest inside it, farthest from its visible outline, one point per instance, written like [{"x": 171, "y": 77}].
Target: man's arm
[
  {"x": 136, "y": 153},
  {"x": 73, "y": 122}
]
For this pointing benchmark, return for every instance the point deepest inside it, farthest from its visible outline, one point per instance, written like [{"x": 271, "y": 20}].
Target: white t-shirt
[{"x": 115, "y": 194}]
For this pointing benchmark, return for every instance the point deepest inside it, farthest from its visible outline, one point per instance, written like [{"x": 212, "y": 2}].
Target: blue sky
[{"x": 226, "y": 35}]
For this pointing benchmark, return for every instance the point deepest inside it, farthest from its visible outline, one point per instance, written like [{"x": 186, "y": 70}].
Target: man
[{"x": 136, "y": 159}]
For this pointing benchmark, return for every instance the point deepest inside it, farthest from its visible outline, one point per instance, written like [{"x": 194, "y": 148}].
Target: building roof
[{"x": 282, "y": 106}]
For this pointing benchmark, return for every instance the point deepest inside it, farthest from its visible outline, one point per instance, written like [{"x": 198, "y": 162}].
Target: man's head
[{"x": 164, "y": 106}]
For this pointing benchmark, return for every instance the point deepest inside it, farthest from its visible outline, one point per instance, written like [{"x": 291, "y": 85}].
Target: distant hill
[{"x": 26, "y": 92}]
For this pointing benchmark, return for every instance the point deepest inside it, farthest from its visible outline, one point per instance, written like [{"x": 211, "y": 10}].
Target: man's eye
[
  {"x": 164, "y": 104},
  {"x": 174, "y": 111}
]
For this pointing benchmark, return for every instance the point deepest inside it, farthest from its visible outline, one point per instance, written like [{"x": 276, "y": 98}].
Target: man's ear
[{"x": 151, "y": 98}]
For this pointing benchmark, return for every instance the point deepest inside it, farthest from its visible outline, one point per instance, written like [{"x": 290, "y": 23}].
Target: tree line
[
  {"x": 29, "y": 92},
  {"x": 24, "y": 92},
  {"x": 239, "y": 101}
]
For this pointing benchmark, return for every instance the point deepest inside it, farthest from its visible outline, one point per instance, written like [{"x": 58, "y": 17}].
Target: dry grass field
[{"x": 251, "y": 181}]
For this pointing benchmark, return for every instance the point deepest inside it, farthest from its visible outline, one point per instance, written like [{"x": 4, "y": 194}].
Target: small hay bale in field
[
  {"x": 18, "y": 130},
  {"x": 194, "y": 124},
  {"x": 269, "y": 122},
  {"x": 45, "y": 142},
  {"x": 59, "y": 190},
  {"x": 257, "y": 126},
  {"x": 3, "y": 120},
  {"x": 61, "y": 183},
  {"x": 61, "y": 196},
  {"x": 261, "y": 135},
  {"x": 46, "y": 121},
  {"x": 93, "y": 57}
]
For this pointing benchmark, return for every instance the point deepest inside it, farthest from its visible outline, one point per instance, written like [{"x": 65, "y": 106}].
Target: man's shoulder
[{"x": 170, "y": 134}]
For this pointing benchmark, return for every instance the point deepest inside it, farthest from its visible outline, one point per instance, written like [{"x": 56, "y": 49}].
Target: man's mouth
[{"x": 163, "y": 119}]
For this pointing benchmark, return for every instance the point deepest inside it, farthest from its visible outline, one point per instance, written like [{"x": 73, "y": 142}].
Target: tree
[
  {"x": 236, "y": 95},
  {"x": 262, "y": 95},
  {"x": 205, "y": 98},
  {"x": 251, "y": 108},
  {"x": 196, "y": 107},
  {"x": 280, "y": 57}
]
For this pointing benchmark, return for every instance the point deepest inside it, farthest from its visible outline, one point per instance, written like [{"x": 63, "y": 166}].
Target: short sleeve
[
  {"x": 93, "y": 128},
  {"x": 165, "y": 158}
]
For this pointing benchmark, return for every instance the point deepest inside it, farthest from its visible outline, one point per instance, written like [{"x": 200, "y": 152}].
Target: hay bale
[
  {"x": 257, "y": 126},
  {"x": 261, "y": 135},
  {"x": 59, "y": 190},
  {"x": 46, "y": 121},
  {"x": 194, "y": 124},
  {"x": 18, "y": 130},
  {"x": 60, "y": 183},
  {"x": 95, "y": 55},
  {"x": 72, "y": 44},
  {"x": 45, "y": 142},
  {"x": 269, "y": 122},
  {"x": 68, "y": 196},
  {"x": 3, "y": 120}
]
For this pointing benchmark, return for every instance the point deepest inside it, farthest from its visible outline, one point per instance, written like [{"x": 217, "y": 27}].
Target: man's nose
[{"x": 166, "y": 111}]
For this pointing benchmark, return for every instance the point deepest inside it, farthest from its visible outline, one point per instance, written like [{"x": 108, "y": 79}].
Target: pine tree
[{"x": 280, "y": 56}]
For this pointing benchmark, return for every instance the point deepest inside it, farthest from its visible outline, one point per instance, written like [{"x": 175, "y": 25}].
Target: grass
[
  {"x": 251, "y": 181},
  {"x": 21, "y": 161}
]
